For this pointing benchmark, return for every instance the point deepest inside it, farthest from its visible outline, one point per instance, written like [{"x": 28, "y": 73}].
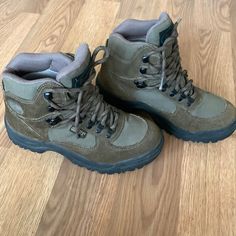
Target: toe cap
[
  {"x": 210, "y": 106},
  {"x": 133, "y": 132}
]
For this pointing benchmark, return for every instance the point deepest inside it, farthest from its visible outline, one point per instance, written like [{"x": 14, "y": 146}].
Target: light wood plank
[
  {"x": 16, "y": 33},
  {"x": 53, "y": 26},
  {"x": 93, "y": 25},
  {"x": 127, "y": 204},
  {"x": 26, "y": 180},
  {"x": 95, "y": 214},
  {"x": 207, "y": 193},
  {"x": 189, "y": 190}
]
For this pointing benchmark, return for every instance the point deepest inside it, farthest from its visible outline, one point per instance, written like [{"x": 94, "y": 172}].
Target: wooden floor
[{"x": 189, "y": 190}]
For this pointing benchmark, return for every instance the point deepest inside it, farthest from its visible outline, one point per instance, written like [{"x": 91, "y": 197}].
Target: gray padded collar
[{"x": 31, "y": 62}]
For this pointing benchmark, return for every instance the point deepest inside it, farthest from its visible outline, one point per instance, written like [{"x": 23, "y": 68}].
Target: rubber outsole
[
  {"x": 119, "y": 167},
  {"x": 200, "y": 136}
]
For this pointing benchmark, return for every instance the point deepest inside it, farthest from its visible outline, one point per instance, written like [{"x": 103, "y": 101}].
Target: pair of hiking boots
[{"x": 52, "y": 105}]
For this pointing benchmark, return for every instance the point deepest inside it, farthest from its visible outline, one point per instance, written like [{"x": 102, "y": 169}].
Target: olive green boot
[
  {"x": 144, "y": 72},
  {"x": 51, "y": 105}
]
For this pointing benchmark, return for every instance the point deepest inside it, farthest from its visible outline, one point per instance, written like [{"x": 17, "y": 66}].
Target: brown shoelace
[
  {"x": 87, "y": 100},
  {"x": 166, "y": 71}
]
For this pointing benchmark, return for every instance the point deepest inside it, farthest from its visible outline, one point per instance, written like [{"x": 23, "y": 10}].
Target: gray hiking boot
[
  {"x": 144, "y": 72},
  {"x": 51, "y": 104}
]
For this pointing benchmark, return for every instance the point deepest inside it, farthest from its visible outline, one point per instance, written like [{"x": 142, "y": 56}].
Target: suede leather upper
[
  {"x": 27, "y": 113},
  {"x": 118, "y": 74}
]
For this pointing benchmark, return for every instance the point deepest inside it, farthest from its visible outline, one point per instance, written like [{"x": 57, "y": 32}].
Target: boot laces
[
  {"x": 87, "y": 100},
  {"x": 166, "y": 71}
]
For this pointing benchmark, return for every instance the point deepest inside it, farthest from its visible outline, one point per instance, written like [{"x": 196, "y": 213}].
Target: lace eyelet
[
  {"x": 140, "y": 84},
  {"x": 51, "y": 109},
  {"x": 173, "y": 93},
  {"x": 109, "y": 133},
  {"x": 48, "y": 95},
  {"x": 99, "y": 128},
  {"x": 90, "y": 124},
  {"x": 190, "y": 101},
  {"x": 145, "y": 59},
  {"x": 53, "y": 121},
  {"x": 182, "y": 96},
  {"x": 143, "y": 70}
]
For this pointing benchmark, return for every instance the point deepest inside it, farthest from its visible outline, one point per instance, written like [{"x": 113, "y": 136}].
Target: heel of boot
[{"x": 25, "y": 142}]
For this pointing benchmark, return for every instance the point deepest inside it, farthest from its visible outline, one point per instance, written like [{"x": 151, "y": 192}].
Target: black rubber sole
[
  {"x": 200, "y": 136},
  {"x": 120, "y": 167}
]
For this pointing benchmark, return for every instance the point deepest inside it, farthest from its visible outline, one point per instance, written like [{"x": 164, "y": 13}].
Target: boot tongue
[
  {"x": 77, "y": 72},
  {"x": 159, "y": 32}
]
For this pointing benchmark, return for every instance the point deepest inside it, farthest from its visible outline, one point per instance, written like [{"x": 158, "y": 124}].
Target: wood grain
[
  {"x": 11, "y": 39},
  {"x": 92, "y": 25},
  {"x": 116, "y": 201},
  {"x": 26, "y": 183},
  {"x": 189, "y": 190},
  {"x": 53, "y": 26}
]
